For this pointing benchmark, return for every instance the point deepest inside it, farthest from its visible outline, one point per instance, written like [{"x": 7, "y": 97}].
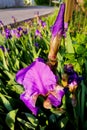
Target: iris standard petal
[
  {"x": 41, "y": 77},
  {"x": 21, "y": 73}
]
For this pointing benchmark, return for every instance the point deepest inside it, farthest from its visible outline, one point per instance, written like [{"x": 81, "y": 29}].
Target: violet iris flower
[
  {"x": 72, "y": 74},
  {"x": 18, "y": 32},
  {"x": 25, "y": 31},
  {"x": 38, "y": 33},
  {"x": 7, "y": 33},
  {"x": 68, "y": 69},
  {"x": 42, "y": 23},
  {"x": 73, "y": 78},
  {"x": 2, "y": 47},
  {"x": 38, "y": 79},
  {"x": 20, "y": 29},
  {"x": 36, "y": 44},
  {"x": 58, "y": 27},
  {"x": 15, "y": 33}
]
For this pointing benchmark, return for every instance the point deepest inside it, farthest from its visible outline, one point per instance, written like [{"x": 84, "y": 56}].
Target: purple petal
[
  {"x": 58, "y": 27},
  {"x": 72, "y": 75},
  {"x": 40, "y": 77},
  {"x": 43, "y": 24},
  {"x": 16, "y": 33},
  {"x": 29, "y": 102},
  {"x": 20, "y": 74},
  {"x": 73, "y": 83},
  {"x": 13, "y": 32},
  {"x": 36, "y": 44},
  {"x": 20, "y": 29},
  {"x": 68, "y": 69},
  {"x": 57, "y": 98},
  {"x": 25, "y": 31},
  {"x": 7, "y": 33},
  {"x": 38, "y": 33},
  {"x": 2, "y": 47}
]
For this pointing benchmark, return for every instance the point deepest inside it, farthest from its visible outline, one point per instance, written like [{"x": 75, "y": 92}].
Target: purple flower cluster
[{"x": 18, "y": 32}]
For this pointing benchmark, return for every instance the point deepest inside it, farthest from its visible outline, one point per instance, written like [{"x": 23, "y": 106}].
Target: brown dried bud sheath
[{"x": 54, "y": 47}]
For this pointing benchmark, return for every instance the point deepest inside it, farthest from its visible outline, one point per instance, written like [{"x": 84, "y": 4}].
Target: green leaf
[
  {"x": 17, "y": 89},
  {"x": 26, "y": 123},
  {"x": 80, "y": 49},
  {"x": 58, "y": 111},
  {"x": 86, "y": 66},
  {"x": 10, "y": 119},
  {"x": 16, "y": 65},
  {"x": 42, "y": 127},
  {"x": 77, "y": 67},
  {"x": 32, "y": 119},
  {"x": 83, "y": 101},
  {"x": 1, "y": 39},
  {"x": 6, "y": 102},
  {"x": 63, "y": 122},
  {"x": 2, "y": 57},
  {"x": 70, "y": 56},
  {"x": 60, "y": 62},
  {"x": 68, "y": 44}
]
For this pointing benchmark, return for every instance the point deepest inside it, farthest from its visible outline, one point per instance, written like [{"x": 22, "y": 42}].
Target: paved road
[{"x": 22, "y": 14}]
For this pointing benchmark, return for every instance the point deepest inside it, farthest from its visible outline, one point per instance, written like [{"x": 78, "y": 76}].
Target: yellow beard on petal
[
  {"x": 64, "y": 83},
  {"x": 47, "y": 104}
]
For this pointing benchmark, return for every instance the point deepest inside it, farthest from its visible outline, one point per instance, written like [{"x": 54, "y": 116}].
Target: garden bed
[{"x": 19, "y": 47}]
